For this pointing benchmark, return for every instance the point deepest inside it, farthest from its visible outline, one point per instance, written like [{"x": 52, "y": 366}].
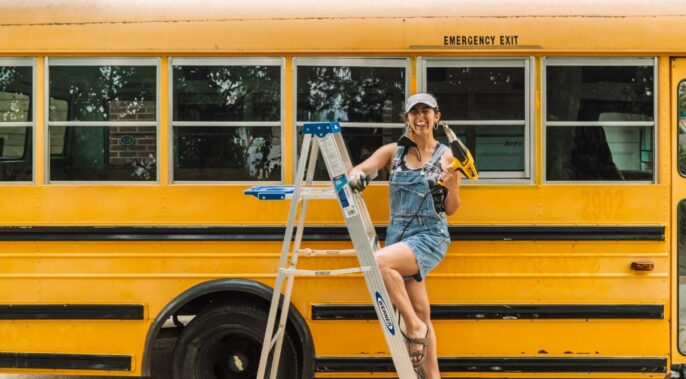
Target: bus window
[
  {"x": 681, "y": 250},
  {"x": 599, "y": 120},
  {"x": 681, "y": 219},
  {"x": 58, "y": 111},
  {"x": 485, "y": 102},
  {"x": 365, "y": 95},
  {"x": 106, "y": 116},
  {"x": 227, "y": 120},
  {"x": 681, "y": 132},
  {"x": 16, "y": 121}
]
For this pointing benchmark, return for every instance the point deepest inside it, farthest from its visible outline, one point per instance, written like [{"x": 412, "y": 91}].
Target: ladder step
[
  {"x": 318, "y": 193},
  {"x": 313, "y": 252},
  {"x": 342, "y": 271}
]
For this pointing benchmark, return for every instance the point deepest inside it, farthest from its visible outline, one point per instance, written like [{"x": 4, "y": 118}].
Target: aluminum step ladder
[{"x": 326, "y": 136}]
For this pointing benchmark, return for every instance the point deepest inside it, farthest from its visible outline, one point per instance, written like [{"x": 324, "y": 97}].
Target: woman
[{"x": 417, "y": 237}]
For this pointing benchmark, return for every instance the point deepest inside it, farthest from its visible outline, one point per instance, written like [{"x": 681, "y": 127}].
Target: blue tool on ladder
[{"x": 270, "y": 192}]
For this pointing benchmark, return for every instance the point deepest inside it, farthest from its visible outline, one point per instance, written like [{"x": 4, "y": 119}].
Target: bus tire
[{"x": 225, "y": 342}]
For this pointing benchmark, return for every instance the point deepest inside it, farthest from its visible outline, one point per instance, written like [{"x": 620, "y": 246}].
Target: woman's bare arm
[
  {"x": 381, "y": 158},
  {"x": 451, "y": 180}
]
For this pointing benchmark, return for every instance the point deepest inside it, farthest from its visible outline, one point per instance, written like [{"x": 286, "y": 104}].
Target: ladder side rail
[
  {"x": 357, "y": 197},
  {"x": 365, "y": 241},
  {"x": 365, "y": 216},
  {"x": 300, "y": 229},
  {"x": 379, "y": 295},
  {"x": 343, "y": 151},
  {"x": 288, "y": 235}
]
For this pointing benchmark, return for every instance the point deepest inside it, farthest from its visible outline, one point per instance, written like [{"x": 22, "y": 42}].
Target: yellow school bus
[{"x": 130, "y": 130}]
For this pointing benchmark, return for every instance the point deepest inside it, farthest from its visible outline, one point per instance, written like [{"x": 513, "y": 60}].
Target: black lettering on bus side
[{"x": 509, "y": 40}]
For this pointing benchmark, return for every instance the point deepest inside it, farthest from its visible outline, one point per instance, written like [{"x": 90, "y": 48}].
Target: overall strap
[
  {"x": 398, "y": 158},
  {"x": 436, "y": 157}
]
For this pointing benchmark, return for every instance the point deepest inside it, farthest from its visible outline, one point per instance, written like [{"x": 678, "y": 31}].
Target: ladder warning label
[
  {"x": 351, "y": 210},
  {"x": 331, "y": 156},
  {"x": 340, "y": 184}
]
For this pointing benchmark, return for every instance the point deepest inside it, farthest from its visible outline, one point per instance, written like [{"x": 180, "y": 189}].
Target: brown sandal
[
  {"x": 417, "y": 356},
  {"x": 419, "y": 370}
]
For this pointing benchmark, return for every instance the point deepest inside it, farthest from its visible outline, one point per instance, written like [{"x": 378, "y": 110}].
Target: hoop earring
[{"x": 436, "y": 126}]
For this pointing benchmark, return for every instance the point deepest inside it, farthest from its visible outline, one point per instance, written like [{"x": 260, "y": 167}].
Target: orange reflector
[{"x": 642, "y": 266}]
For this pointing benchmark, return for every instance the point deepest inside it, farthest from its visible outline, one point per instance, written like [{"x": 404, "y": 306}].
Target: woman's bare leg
[
  {"x": 395, "y": 262},
  {"x": 420, "y": 300}
]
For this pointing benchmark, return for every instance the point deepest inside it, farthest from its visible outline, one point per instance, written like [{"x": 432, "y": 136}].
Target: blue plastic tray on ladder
[{"x": 270, "y": 192}]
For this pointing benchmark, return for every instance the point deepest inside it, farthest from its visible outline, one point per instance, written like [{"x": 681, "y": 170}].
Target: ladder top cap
[{"x": 320, "y": 129}]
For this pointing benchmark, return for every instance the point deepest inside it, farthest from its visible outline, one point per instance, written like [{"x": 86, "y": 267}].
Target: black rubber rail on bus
[
  {"x": 502, "y": 311},
  {"x": 504, "y": 364},
  {"x": 71, "y": 312},
  {"x": 324, "y": 233},
  {"x": 66, "y": 361}
]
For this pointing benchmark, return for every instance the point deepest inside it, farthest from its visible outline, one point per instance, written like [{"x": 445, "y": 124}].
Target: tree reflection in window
[
  {"x": 227, "y": 93},
  {"x": 227, "y": 153},
  {"x": 585, "y": 93},
  {"x": 580, "y": 97},
  {"x": 15, "y": 93},
  {"x": 479, "y": 93},
  {"x": 81, "y": 94},
  {"x": 103, "y": 93},
  {"x": 355, "y": 94},
  {"x": 681, "y": 131},
  {"x": 16, "y": 142},
  {"x": 350, "y": 94},
  {"x": 493, "y": 96}
]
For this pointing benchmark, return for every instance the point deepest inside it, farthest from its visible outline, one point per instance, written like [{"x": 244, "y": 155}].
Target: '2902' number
[{"x": 602, "y": 204}]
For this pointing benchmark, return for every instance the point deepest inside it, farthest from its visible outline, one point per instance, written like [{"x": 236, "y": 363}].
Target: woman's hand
[
  {"x": 359, "y": 180},
  {"x": 451, "y": 180}
]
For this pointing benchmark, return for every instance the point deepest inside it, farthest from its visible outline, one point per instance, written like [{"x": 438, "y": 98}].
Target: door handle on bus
[{"x": 642, "y": 266}]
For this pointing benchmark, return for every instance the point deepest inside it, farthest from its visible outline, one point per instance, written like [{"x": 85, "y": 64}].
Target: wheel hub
[{"x": 238, "y": 362}]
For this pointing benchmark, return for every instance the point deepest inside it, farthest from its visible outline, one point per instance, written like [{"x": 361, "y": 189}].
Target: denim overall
[{"x": 426, "y": 233}]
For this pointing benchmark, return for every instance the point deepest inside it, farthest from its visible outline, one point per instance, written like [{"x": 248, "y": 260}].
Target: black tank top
[{"x": 438, "y": 192}]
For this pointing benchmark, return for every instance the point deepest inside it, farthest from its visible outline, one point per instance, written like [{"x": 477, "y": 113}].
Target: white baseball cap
[{"x": 420, "y": 98}]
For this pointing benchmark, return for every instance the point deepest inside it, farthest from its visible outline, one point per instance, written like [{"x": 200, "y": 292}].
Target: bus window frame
[
  {"x": 101, "y": 61},
  {"x": 350, "y": 61},
  {"x": 598, "y": 61},
  {"x": 528, "y": 63},
  {"x": 24, "y": 62},
  {"x": 227, "y": 61}
]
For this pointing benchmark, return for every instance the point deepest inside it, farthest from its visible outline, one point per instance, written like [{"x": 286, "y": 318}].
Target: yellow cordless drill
[{"x": 462, "y": 158}]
